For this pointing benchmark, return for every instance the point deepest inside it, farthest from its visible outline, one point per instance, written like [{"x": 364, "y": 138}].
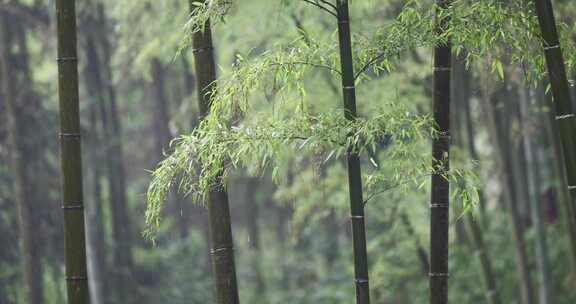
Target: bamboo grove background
[{"x": 318, "y": 107}]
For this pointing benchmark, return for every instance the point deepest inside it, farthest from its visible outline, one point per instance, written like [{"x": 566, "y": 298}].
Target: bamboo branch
[
  {"x": 397, "y": 185},
  {"x": 320, "y": 6},
  {"x": 312, "y": 64},
  {"x": 329, "y": 4},
  {"x": 367, "y": 65}
]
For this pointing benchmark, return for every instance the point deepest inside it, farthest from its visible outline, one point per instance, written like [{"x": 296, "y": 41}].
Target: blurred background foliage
[{"x": 292, "y": 238}]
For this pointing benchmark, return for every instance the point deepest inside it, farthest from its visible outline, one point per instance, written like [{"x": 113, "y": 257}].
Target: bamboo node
[
  {"x": 357, "y": 217},
  {"x": 438, "y": 274},
  {"x": 76, "y": 207},
  {"x": 546, "y": 48},
  {"x": 76, "y": 278},
  {"x": 343, "y": 21},
  {"x": 440, "y": 205},
  {"x": 360, "y": 281},
  {"x": 560, "y": 117},
  {"x": 215, "y": 251},
  {"x": 70, "y": 135},
  {"x": 200, "y": 50},
  {"x": 570, "y": 188},
  {"x": 64, "y": 59},
  {"x": 442, "y": 69},
  {"x": 349, "y": 87}
]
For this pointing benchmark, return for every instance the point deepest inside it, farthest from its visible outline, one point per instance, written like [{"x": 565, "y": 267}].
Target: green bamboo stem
[
  {"x": 70, "y": 154},
  {"x": 555, "y": 157},
  {"x": 492, "y": 295},
  {"x": 252, "y": 215},
  {"x": 353, "y": 159},
  {"x": 440, "y": 194},
  {"x": 96, "y": 249},
  {"x": 98, "y": 69},
  {"x": 499, "y": 133},
  {"x": 533, "y": 173},
  {"x": 487, "y": 272},
  {"x": 422, "y": 253},
  {"x": 160, "y": 113},
  {"x": 474, "y": 228},
  {"x": 121, "y": 223},
  {"x": 564, "y": 108},
  {"x": 222, "y": 244}
]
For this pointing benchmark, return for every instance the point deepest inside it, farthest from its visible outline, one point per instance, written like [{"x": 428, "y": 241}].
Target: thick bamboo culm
[
  {"x": 222, "y": 244},
  {"x": 70, "y": 154},
  {"x": 440, "y": 193},
  {"x": 353, "y": 160},
  {"x": 564, "y": 109}
]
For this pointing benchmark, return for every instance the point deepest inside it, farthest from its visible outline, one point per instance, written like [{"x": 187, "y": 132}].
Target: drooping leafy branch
[
  {"x": 325, "y": 6},
  {"x": 213, "y": 10},
  {"x": 491, "y": 29},
  {"x": 196, "y": 163},
  {"x": 282, "y": 72},
  {"x": 486, "y": 29}
]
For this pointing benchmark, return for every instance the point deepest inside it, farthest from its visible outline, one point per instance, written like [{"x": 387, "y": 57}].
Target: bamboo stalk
[
  {"x": 564, "y": 108},
  {"x": 422, "y": 254},
  {"x": 440, "y": 194},
  {"x": 222, "y": 244},
  {"x": 161, "y": 115},
  {"x": 102, "y": 92},
  {"x": 95, "y": 246},
  {"x": 487, "y": 272},
  {"x": 499, "y": 133},
  {"x": 353, "y": 159},
  {"x": 70, "y": 154},
  {"x": 492, "y": 295},
  {"x": 474, "y": 227},
  {"x": 533, "y": 173},
  {"x": 121, "y": 223}
]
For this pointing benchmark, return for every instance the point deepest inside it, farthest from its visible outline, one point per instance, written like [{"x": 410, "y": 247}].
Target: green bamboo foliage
[
  {"x": 440, "y": 194},
  {"x": 563, "y": 106},
  {"x": 353, "y": 159},
  {"x": 222, "y": 244},
  {"x": 70, "y": 154}
]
